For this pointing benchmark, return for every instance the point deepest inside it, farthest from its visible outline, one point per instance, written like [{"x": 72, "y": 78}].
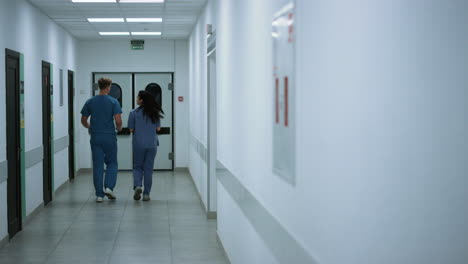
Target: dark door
[
  {"x": 71, "y": 128},
  {"x": 46, "y": 132},
  {"x": 13, "y": 142}
]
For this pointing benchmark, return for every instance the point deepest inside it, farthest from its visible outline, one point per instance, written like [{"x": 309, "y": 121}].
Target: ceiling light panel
[
  {"x": 146, "y": 33},
  {"x": 141, "y": 1},
  {"x": 179, "y": 16},
  {"x": 141, "y": 28},
  {"x": 70, "y": 20},
  {"x": 114, "y": 33},
  {"x": 94, "y": 1},
  {"x": 98, "y": 20},
  {"x": 145, "y": 20}
]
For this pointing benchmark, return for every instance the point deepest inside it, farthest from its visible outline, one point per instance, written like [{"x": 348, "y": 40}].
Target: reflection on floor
[{"x": 171, "y": 228}]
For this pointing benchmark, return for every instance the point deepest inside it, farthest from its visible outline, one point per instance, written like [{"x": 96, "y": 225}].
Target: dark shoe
[
  {"x": 137, "y": 194},
  {"x": 146, "y": 197}
]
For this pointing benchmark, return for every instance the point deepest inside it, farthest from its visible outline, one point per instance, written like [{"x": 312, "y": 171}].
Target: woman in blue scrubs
[{"x": 144, "y": 122}]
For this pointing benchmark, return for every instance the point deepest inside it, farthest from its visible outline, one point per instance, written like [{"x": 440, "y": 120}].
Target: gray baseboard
[
  {"x": 4, "y": 241},
  {"x": 41, "y": 207},
  {"x": 33, "y": 214},
  {"x": 85, "y": 170},
  {"x": 222, "y": 247},
  {"x": 181, "y": 169},
  {"x": 209, "y": 214},
  {"x": 212, "y": 215},
  {"x": 198, "y": 194},
  {"x": 59, "y": 189}
]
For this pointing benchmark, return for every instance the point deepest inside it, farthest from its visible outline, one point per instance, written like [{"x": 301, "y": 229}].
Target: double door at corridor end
[{"x": 125, "y": 88}]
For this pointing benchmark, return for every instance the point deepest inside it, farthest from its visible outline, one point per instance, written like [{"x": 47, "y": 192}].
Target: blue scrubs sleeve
[
  {"x": 85, "y": 111},
  {"x": 117, "y": 109}
]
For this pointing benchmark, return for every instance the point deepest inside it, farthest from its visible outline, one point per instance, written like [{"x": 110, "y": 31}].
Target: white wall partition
[
  {"x": 382, "y": 147},
  {"x": 25, "y": 29},
  {"x": 199, "y": 100}
]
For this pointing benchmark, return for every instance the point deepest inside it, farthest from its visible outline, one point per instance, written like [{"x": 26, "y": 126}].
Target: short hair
[{"x": 104, "y": 83}]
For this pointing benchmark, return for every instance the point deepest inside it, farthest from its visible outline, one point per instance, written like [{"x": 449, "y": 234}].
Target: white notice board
[{"x": 284, "y": 128}]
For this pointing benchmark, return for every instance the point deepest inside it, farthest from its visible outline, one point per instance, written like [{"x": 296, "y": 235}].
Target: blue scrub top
[
  {"x": 102, "y": 109},
  {"x": 144, "y": 135}
]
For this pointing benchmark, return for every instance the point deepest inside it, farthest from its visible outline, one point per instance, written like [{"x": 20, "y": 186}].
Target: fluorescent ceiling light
[
  {"x": 142, "y": 1},
  {"x": 114, "y": 33},
  {"x": 94, "y": 1},
  {"x": 144, "y": 19},
  {"x": 106, "y": 20},
  {"x": 146, "y": 33}
]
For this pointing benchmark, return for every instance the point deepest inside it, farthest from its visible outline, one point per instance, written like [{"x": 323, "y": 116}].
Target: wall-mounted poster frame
[{"x": 284, "y": 127}]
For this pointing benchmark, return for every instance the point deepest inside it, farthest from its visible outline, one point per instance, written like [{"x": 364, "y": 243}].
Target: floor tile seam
[
  {"x": 118, "y": 229},
  {"x": 63, "y": 235},
  {"x": 171, "y": 227},
  {"x": 169, "y": 218}
]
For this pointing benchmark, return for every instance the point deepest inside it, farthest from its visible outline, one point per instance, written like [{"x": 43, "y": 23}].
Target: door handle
[{"x": 164, "y": 131}]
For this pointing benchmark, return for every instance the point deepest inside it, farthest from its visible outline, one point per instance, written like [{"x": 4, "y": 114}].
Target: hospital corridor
[{"x": 234, "y": 131}]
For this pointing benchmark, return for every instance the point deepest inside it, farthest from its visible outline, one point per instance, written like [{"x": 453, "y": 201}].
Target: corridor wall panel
[
  {"x": 61, "y": 172},
  {"x": 198, "y": 99},
  {"x": 34, "y": 188},
  {"x": 381, "y": 154},
  {"x": 25, "y": 29}
]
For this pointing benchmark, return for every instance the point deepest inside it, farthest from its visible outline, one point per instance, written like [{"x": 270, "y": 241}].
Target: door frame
[
  {"x": 71, "y": 125},
  {"x": 212, "y": 145},
  {"x": 17, "y": 139},
  {"x": 47, "y": 139},
  {"x": 133, "y": 103}
]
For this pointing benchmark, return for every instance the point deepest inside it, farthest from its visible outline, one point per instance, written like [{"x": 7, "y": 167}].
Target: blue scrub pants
[
  {"x": 104, "y": 150},
  {"x": 143, "y": 163}
]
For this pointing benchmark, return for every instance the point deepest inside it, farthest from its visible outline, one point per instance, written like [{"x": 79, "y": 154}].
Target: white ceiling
[{"x": 178, "y": 16}]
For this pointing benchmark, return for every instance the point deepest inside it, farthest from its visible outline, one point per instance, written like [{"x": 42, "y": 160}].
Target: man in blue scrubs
[{"x": 103, "y": 110}]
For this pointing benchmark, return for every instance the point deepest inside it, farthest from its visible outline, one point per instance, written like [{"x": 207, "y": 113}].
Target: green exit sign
[{"x": 137, "y": 44}]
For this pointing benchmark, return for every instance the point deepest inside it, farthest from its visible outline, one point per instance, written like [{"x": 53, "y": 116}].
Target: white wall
[
  {"x": 61, "y": 174},
  {"x": 116, "y": 56},
  {"x": 34, "y": 187},
  {"x": 198, "y": 95},
  {"x": 382, "y": 153},
  {"x": 25, "y": 29},
  {"x": 4, "y": 211},
  {"x": 181, "y": 117}
]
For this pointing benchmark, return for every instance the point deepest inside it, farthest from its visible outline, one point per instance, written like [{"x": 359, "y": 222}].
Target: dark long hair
[{"x": 150, "y": 107}]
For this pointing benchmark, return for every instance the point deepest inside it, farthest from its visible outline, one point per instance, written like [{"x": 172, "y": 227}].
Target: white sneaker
[
  {"x": 99, "y": 199},
  {"x": 108, "y": 192}
]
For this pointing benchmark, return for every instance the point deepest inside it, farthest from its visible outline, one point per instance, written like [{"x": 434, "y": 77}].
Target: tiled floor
[{"x": 170, "y": 229}]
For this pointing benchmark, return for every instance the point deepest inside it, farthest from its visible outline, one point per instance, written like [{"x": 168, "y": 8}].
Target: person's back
[
  {"x": 103, "y": 110},
  {"x": 144, "y": 122},
  {"x": 144, "y": 135}
]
